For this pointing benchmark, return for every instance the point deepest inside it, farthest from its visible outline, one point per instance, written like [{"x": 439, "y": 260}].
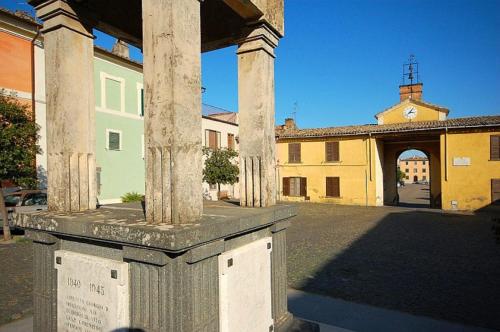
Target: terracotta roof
[
  {"x": 470, "y": 122},
  {"x": 25, "y": 16},
  {"x": 415, "y": 101},
  {"x": 413, "y": 158}
]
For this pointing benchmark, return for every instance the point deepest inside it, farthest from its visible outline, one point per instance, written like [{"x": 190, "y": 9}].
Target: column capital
[
  {"x": 259, "y": 37},
  {"x": 56, "y": 14}
]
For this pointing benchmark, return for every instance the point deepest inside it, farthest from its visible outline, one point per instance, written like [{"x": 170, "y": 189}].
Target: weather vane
[{"x": 410, "y": 71}]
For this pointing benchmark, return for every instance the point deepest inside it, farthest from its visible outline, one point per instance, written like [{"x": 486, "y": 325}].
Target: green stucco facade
[{"x": 117, "y": 97}]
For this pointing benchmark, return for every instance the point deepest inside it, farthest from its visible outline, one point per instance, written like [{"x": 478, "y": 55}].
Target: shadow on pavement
[{"x": 440, "y": 265}]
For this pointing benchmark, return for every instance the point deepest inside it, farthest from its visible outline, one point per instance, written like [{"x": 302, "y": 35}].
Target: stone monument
[{"x": 178, "y": 266}]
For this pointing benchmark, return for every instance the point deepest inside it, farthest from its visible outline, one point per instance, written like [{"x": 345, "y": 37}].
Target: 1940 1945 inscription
[{"x": 92, "y": 293}]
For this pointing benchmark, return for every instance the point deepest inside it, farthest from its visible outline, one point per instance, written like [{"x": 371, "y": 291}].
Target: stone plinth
[{"x": 175, "y": 271}]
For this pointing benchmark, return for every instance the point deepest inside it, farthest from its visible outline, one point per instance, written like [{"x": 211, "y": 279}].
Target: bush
[{"x": 132, "y": 197}]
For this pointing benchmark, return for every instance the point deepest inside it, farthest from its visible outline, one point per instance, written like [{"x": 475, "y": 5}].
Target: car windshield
[
  {"x": 12, "y": 200},
  {"x": 35, "y": 199}
]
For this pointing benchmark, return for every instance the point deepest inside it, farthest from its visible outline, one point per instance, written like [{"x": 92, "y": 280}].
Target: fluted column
[
  {"x": 69, "y": 69},
  {"x": 256, "y": 117},
  {"x": 172, "y": 121}
]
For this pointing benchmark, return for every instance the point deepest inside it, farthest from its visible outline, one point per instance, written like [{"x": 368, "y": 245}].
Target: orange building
[
  {"x": 17, "y": 49},
  {"x": 415, "y": 168}
]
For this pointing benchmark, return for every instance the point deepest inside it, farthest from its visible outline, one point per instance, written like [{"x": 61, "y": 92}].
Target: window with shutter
[
  {"x": 333, "y": 186},
  {"x": 332, "y": 151},
  {"x": 495, "y": 147},
  {"x": 303, "y": 187},
  {"x": 212, "y": 139},
  {"x": 230, "y": 141},
  {"x": 286, "y": 186},
  {"x": 495, "y": 191},
  {"x": 114, "y": 140},
  {"x": 142, "y": 102},
  {"x": 294, "y": 153}
]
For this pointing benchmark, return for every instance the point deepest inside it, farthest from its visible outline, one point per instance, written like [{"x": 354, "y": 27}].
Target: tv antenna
[
  {"x": 294, "y": 113},
  {"x": 410, "y": 71}
]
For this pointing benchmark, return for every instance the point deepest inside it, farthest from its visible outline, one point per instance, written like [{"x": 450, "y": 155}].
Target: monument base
[{"x": 107, "y": 269}]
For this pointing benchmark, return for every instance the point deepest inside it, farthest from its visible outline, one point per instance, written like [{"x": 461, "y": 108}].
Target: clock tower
[{"x": 411, "y": 106}]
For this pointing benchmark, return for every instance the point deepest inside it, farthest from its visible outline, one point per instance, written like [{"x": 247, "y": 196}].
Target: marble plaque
[
  {"x": 92, "y": 293},
  {"x": 461, "y": 161}
]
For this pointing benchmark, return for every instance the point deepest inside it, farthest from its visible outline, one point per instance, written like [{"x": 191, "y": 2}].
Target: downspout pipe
[{"x": 33, "y": 79}]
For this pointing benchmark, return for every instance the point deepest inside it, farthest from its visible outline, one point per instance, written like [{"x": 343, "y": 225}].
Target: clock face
[{"x": 410, "y": 112}]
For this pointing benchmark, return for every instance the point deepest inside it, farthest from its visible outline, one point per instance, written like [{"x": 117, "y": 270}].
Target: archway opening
[{"x": 413, "y": 179}]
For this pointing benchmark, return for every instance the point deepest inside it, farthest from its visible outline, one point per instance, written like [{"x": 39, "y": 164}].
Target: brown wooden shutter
[
  {"x": 286, "y": 186},
  {"x": 303, "y": 187},
  {"x": 230, "y": 141},
  {"x": 494, "y": 147},
  {"x": 495, "y": 191},
  {"x": 332, "y": 151},
  {"x": 333, "y": 187},
  {"x": 294, "y": 153}
]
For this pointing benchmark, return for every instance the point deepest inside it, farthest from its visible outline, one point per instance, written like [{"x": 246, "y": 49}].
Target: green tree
[
  {"x": 18, "y": 149},
  {"x": 401, "y": 175},
  {"x": 219, "y": 167}
]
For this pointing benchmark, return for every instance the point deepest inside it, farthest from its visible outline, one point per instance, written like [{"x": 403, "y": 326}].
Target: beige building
[{"x": 415, "y": 168}]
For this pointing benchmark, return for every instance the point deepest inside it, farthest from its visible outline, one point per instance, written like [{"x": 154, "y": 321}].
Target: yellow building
[
  {"x": 415, "y": 169},
  {"x": 358, "y": 164}
]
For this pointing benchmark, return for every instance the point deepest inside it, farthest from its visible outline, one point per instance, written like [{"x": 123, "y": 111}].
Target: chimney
[
  {"x": 410, "y": 91},
  {"x": 290, "y": 123},
  {"x": 120, "y": 48}
]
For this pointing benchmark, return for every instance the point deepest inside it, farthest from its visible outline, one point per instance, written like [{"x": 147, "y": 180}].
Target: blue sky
[{"x": 340, "y": 61}]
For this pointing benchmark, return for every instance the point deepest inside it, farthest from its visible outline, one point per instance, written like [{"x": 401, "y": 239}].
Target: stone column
[
  {"x": 172, "y": 122},
  {"x": 256, "y": 117},
  {"x": 69, "y": 67}
]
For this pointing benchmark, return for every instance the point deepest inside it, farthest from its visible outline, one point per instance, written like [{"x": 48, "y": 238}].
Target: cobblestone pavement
[
  {"x": 16, "y": 283},
  {"x": 414, "y": 195},
  {"x": 445, "y": 266}
]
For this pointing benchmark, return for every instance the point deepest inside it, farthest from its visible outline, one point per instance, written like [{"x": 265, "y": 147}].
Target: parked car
[{"x": 24, "y": 201}]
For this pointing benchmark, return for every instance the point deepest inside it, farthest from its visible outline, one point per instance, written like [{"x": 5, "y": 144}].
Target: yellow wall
[
  {"x": 423, "y": 114},
  {"x": 355, "y": 184},
  {"x": 469, "y": 186}
]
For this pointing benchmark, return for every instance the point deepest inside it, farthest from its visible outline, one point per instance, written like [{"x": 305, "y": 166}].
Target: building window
[
  {"x": 407, "y": 170},
  {"x": 414, "y": 162},
  {"x": 113, "y": 139},
  {"x": 140, "y": 99},
  {"x": 495, "y": 147},
  {"x": 112, "y": 93},
  {"x": 424, "y": 177},
  {"x": 424, "y": 170},
  {"x": 407, "y": 177},
  {"x": 332, "y": 151},
  {"x": 333, "y": 186},
  {"x": 230, "y": 141},
  {"x": 495, "y": 191},
  {"x": 415, "y": 170},
  {"x": 212, "y": 139},
  {"x": 295, "y": 186},
  {"x": 423, "y": 162},
  {"x": 406, "y": 163},
  {"x": 294, "y": 152}
]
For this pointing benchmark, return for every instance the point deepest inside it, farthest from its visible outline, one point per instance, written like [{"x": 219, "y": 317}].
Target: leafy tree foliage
[
  {"x": 219, "y": 167},
  {"x": 18, "y": 143},
  {"x": 401, "y": 175},
  {"x": 18, "y": 149}
]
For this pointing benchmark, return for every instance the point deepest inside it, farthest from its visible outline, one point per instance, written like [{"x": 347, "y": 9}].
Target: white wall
[{"x": 224, "y": 129}]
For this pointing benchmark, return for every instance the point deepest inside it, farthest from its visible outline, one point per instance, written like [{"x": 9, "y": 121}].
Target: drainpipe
[
  {"x": 370, "y": 154},
  {"x": 33, "y": 81},
  {"x": 445, "y": 154}
]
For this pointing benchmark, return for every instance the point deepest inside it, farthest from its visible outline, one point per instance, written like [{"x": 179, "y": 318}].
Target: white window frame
[
  {"x": 139, "y": 87},
  {"x": 105, "y": 76},
  {"x": 107, "y": 138}
]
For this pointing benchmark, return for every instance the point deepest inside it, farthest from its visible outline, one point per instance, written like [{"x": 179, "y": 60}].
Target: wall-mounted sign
[{"x": 461, "y": 161}]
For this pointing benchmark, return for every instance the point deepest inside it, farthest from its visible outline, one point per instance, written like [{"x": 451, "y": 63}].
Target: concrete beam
[{"x": 172, "y": 123}]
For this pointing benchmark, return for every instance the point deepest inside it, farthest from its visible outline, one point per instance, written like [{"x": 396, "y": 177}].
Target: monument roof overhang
[
  {"x": 483, "y": 122},
  {"x": 416, "y": 102},
  {"x": 223, "y": 22}
]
